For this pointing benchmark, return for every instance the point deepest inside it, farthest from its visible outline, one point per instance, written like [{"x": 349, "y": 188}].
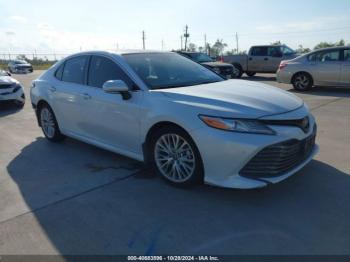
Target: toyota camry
[{"x": 187, "y": 122}]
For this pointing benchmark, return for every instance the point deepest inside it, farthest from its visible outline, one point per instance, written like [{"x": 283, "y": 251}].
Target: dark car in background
[
  {"x": 224, "y": 69},
  {"x": 20, "y": 66}
]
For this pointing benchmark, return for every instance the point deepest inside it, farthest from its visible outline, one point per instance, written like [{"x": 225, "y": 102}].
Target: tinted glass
[
  {"x": 74, "y": 70},
  {"x": 347, "y": 55},
  {"x": 169, "y": 70},
  {"x": 287, "y": 51},
  {"x": 327, "y": 56},
  {"x": 59, "y": 72},
  {"x": 259, "y": 51},
  {"x": 103, "y": 69},
  {"x": 274, "y": 51},
  {"x": 201, "y": 58}
]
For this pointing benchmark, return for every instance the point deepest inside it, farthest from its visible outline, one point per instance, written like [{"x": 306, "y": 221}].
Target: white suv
[{"x": 188, "y": 122}]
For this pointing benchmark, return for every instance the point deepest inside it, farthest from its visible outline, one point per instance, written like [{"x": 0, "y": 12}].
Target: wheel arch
[
  {"x": 151, "y": 131},
  {"x": 302, "y": 72},
  {"x": 39, "y": 105}
]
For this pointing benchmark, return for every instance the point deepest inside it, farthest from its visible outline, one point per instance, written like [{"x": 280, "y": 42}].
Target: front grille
[
  {"x": 226, "y": 70},
  {"x": 6, "y": 86},
  {"x": 277, "y": 159}
]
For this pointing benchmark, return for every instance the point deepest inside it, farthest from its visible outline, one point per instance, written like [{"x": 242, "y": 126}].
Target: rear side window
[
  {"x": 74, "y": 70},
  {"x": 274, "y": 51},
  {"x": 326, "y": 56},
  {"x": 259, "y": 51},
  {"x": 59, "y": 72},
  {"x": 103, "y": 69},
  {"x": 347, "y": 55}
]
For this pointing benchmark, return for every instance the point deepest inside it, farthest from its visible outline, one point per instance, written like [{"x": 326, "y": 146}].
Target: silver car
[
  {"x": 189, "y": 123},
  {"x": 325, "y": 67}
]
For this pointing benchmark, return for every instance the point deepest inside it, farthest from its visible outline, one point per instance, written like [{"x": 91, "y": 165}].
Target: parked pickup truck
[{"x": 260, "y": 59}]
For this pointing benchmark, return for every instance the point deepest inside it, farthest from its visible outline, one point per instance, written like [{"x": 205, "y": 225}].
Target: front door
[
  {"x": 326, "y": 67},
  {"x": 345, "y": 70},
  {"x": 108, "y": 118}
]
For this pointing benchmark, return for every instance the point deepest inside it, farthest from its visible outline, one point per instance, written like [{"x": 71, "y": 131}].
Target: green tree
[
  {"x": 218, "y": 48},
  {"x": 192, "y": 47},
  {"x": 277, "y": 43},
  {"x": 302, "y": 50},
  {"x": 329, "y": 44}
]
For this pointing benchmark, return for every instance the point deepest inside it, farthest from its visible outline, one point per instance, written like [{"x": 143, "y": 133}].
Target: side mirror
[
  {"x": 117, "y": 87},
  {"x": 8, "y": 73}
]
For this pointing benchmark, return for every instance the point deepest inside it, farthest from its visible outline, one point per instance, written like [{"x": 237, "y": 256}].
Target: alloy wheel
[
  {"x": 302, "y": 82},
  {"x": 174, "y": 158},
  {"x": 47, "y": 122}
]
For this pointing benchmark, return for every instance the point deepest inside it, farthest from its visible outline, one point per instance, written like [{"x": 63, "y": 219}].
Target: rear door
[
  {"x": 274, "y": 58},
  {"x": 67, "y": 93},
  {"x": 345, "y": 69},
  {"x": 326, "y": 67},
  {"x": 257, "y": 59}
]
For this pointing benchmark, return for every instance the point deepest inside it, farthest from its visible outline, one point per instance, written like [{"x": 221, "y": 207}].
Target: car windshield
[
  {"x": 169, "y": 70},
  {"x": 288, "y": 51},
  {"x": 19, "y": 62},
  {"x": 201, "y": 58}
]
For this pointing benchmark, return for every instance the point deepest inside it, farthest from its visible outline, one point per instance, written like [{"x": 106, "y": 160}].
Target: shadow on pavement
[
  {"x": 260, "y": 78},
  {"x": 8, "y": 108},
  {"x": 117, "y": 213},
  {"x": 326, "y": 91}
]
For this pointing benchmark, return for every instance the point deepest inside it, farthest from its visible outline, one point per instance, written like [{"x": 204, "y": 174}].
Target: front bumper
[
  {"x": 23, "y": 70},
  {"x": 225, "y": 154}
]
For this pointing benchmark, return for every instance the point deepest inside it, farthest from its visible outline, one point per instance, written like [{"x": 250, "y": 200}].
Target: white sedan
[
  {"x": 186, "y": 121},
  {"x": 10, "y": 89}
]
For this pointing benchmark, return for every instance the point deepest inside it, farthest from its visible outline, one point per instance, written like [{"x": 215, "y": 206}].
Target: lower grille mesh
[{"x": 280, "y": 158}]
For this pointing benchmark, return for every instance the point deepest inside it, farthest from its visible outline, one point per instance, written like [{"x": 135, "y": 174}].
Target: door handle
[
  {"x": 266, "y": 59},
  {"x": 250, "y": 58},
  {"x": 86, "y": 96},
  {"x": 52, "y": 89}
]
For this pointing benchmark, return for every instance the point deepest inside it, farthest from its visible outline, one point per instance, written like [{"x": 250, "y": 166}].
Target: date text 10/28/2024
[{"x": 173, "y": 258}]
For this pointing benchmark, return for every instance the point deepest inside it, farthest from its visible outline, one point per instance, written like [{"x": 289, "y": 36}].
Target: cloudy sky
[{"x": 70, "y": 25}]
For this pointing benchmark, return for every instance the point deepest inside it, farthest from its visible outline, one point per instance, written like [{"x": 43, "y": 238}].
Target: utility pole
[
  {"x": 181, "y": 42},
  {"x": 162, "y": 45},
  {"x": 186, "y": 35},
  {"x": 143, "y": 40},
  {"x": 205, "y": 43},
  {"x": 237, "y": 43}
]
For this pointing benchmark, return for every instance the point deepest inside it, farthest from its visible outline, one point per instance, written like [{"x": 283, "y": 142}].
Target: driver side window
[{"x": 103, "y": 69}]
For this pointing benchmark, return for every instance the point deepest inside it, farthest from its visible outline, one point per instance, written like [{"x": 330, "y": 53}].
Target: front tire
[
  {"x": 302, "y": 82},
  {"x": 175, "y": 157},
  {"x": 49, "y": 124}
]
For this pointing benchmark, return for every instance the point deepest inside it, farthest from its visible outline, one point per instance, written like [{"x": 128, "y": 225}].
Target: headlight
[
  {"x": 237, "y": 125},
  {"x": 17, "y": 87}
]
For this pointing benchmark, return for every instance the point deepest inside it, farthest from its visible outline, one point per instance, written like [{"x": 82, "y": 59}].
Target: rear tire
[
  {"x": 250, "y": 74},
  {"x": 175, "y": 157},
  {"x": 302, "y": 82},
  {"x": 49, "y": 124}
]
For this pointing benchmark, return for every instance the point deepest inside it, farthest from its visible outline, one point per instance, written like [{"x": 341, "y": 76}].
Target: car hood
[
  {"x": 217, "y": 64},
  {"x": 5, "y": 80},
  {"x": 235, "y": 98}
]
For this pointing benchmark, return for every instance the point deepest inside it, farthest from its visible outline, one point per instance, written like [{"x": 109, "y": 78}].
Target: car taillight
[{"x": 282, "y": 65}]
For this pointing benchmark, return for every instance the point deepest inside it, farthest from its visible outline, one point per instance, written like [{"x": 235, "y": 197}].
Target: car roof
[{"x": 120, "y": 52}]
